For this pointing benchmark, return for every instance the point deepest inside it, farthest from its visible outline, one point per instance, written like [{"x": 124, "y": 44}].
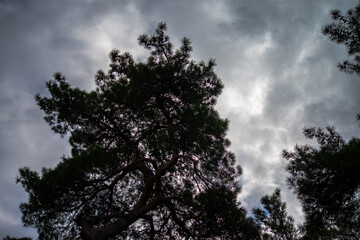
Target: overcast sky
[{"x": 279, "y": 73}]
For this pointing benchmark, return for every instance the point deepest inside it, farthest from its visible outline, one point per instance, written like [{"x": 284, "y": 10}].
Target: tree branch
[
  {"x": 171, "y": 207},
  {"x": 152, "y": 228}
]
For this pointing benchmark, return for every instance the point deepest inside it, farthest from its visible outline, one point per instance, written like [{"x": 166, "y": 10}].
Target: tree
[
  {"x": 148, "y": 149},
  {"x": 345, "y": 29},
  {"x": 326, "y": 179},
  {"x": 327, "y": 182},
  {"x": 273, "y": 217},
  {"x": 222, "y": 217}
]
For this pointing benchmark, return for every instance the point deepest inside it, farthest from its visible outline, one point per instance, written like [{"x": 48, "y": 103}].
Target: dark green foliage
[
  {"x": 345, "y": 29},
  {"x": 276, "y": 224},
  {"x": 327, "y": 182},
  {"x": 147, "y": 147},
  {"x": 220, "y": 216}
]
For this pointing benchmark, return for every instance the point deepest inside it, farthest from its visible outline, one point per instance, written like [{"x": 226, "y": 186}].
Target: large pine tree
[{"x": 149, "y": 156}]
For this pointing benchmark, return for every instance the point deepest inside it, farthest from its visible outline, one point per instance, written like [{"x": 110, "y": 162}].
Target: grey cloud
[
  {"x": 25, "y": 141},
  {"x": 281, "y": 100},
  {"x": 274, "y": 45}
]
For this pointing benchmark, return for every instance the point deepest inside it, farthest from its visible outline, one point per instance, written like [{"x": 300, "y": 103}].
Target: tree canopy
[
  {"x": 149, "y": 155},
  {"x": 274, "y": 220},
  {"x": 327, "y": 182},
  {"x": 326, "y": 178},
  {"x": 345, "y": 29}
]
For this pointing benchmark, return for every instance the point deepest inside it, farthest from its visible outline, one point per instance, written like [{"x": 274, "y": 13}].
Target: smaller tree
[
  {"x": 345, "y": 29},
  {"x": 273, "y": 218},
  {"x": 221, "y": 217},
  {"x": 327, "y": 182}
]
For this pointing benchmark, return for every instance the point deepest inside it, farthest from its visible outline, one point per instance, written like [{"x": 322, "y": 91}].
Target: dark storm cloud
[
  {"x": 39, "y": 38},
  {"x": 301, "y": 86},
  {"x": 279, "y": 74}
]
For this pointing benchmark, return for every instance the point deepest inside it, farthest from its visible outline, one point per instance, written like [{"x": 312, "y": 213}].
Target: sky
[{"x": 279, "y": 73}]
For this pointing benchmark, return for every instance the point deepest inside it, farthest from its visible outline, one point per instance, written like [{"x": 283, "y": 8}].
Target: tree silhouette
[
  {"x": 273, "y": 217},
  {"x": 345, "y": 29},
  {"x": 327, "y": 182},
  {"x": 149, "y": 151},
  {"x": 326, "y": 179}
]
